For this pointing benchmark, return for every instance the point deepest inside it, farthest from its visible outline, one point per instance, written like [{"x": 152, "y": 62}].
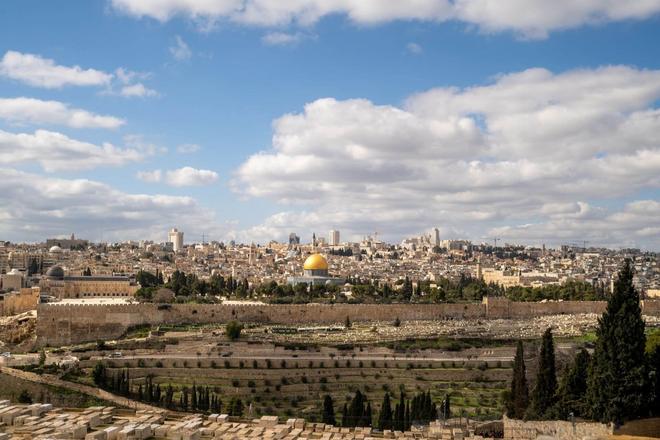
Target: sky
[{"x": 524, "y": 120}]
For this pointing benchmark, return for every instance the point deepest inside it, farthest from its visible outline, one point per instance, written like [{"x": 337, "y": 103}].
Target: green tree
[
  {"x": 385, "y": 416},
  {"x": 545, "y": 390},
  {"x": 328, "y": 411},
  {"x": 233, "y": 330},
  {"x": 99, "y": 375},
  {"x": 654, "y": 366},
  {"x": 518, "y": 398},
  {"x": 618, "y": 384},
  {"x": 573, "y": 387},
  {"x": 42, "y": 357},
  {"x": 24, "y": 397}
]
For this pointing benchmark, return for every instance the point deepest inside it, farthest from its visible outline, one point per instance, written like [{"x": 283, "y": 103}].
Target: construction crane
[{"x": 495, "y": 239}]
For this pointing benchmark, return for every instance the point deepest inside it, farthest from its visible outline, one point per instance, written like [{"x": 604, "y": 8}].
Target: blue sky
[{"x": 237, "y": 73}]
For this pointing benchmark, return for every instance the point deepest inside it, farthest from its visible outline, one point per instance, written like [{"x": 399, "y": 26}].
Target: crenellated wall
[{"x": 68, "y": 324}]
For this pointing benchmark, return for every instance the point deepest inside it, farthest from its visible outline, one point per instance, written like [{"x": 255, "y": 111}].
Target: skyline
[{"x": 251, "y": 119}]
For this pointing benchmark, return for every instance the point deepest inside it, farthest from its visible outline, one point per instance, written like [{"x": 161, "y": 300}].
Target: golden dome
[{"x": 316, "y": 262}]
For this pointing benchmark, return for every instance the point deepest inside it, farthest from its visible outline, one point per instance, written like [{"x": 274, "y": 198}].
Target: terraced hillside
[{"x": 286, "y": 382}]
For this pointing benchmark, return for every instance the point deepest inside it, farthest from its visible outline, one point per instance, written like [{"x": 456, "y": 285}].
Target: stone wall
[
  {"x": 22, "y": 301},
  {"x": 67, "y": 324},
  {"x": 555, "y": 429}
]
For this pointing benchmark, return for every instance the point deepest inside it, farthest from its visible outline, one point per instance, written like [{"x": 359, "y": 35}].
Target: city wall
[{"x": 69, "y": 324}]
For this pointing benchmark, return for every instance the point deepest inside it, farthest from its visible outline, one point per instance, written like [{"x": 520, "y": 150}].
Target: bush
[
  {"x": 233, "y": 330},
  {"x": 24, "y": 397}
]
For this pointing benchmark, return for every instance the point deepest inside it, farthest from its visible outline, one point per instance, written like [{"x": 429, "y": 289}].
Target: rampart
[{"x": 70, "y": 324}]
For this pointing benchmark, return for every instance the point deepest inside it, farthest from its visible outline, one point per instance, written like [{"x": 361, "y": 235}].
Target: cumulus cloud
[
  {"x": 93, "y": 210},
  {"x": 530, "y": 18},
  {"x": 137, "y": 90},
  {"x": 531, "y": 148},
  {"x": 37, "y": 71},
  {"x": 43, "y": 72},
  {"x": 55, "y": 151},
  {"x": 35, "y": 111},
  {"x": 180, "y": 50},
  {"x": 154, "y": 176},
  {"x": 186, "y": 176}
]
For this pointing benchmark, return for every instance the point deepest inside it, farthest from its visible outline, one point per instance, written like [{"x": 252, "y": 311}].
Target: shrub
[{"x": 233, "y": 330}]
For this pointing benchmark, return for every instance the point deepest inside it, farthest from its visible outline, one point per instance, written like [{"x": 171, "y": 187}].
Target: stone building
[{"x": 57, "y": 284}]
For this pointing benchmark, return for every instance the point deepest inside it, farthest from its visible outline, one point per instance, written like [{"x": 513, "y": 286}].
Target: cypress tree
[
  {"x": 446, "y": 411},
  {"x": 344, "y": 416},
  {"x": 545, "y": 390},
  {"x": 385, "y": 416},
  {"x": 618, "y": 385},
  {"x": 654, "y": 366},
  {"x": 406, "y": 419},
  {"x": 366, "y": 420},
  {"x": 518, "y": 398},
  {"x": 573, "y": 387},
  {"x": 328, "y": 410}
]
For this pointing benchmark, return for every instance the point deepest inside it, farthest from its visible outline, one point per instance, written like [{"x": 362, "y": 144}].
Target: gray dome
[{"x": 55, "y": 273}]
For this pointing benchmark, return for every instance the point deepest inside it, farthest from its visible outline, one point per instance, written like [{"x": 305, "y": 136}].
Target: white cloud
[
  {"x": 180, "y": 50},
  {"x": 43, "y": 72},
  {"x": 530, "y": 18},
  {"x": 281, "y": 38},
  {"x": 531, "y": 148},
  {"x": 414, "y": 48},
  {"x": 39, "y": 206},
  {"x": 35, "y": 111},
  {"x": 55, "y": 151},
  {"x": 188, "y": 176},
  {"x": 137, "y": 90},
  {"x": 188, "y": 148},
  {"x": 154, "y": 176},
  {"x": 37, "y": 71}
]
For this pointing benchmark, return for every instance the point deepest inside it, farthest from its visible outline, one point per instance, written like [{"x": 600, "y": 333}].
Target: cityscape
[{"x": 329, "y": 219}]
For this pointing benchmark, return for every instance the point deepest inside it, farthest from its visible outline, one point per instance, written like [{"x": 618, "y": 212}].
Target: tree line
[
  {"x": 420, "y": 409},
  {"x": 195, "y": 398},
  {"x": 406, "y": 290}
]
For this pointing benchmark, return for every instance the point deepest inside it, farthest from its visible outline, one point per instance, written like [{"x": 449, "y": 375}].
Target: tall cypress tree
[
  {"x": 518, "y": 399},
  {"x": 385, "y": 416},
  {"x": 328, "y": 411},
  {"x": 573, "y": 387},
  {"x": 545, "y": 390},
  {"x": 654, "y": 367},
  {"x": 618, "y": 384}
]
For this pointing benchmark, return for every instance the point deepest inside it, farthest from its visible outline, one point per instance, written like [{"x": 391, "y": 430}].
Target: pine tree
[
  {"x": 385, "y": 416},
  {"x": 545, "y": 390},
  {"x": 518, "y": 399},
  {"x": 618, "y": 388},
  {"x": 328, "y": 411}
]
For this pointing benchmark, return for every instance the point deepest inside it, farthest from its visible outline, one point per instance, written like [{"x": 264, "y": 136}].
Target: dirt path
[{"x": 84, "y": 389}]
